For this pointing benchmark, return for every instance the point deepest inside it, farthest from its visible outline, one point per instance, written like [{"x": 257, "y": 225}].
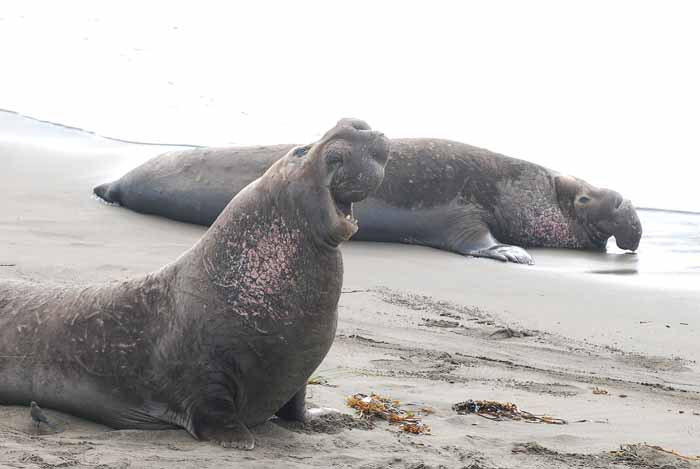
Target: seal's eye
[
  {"x": 583, "y": 199},
  {"x": 301, "y": 151}
]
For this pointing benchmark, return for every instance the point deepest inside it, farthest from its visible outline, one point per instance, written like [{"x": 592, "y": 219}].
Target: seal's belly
[
  {"x": 282, "y": 368},
  {"x": 382, "y": 222}
]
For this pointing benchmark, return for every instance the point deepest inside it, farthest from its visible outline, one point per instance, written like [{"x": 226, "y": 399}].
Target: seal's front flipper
[
  {"x": 505, "y": 253},
  {"x": 295, "y": 408},
  {"x": 476, "y": 240},
  {"x": 233, "y": 434}
]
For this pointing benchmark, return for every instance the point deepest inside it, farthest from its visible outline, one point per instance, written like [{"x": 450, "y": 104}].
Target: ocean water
[
  {"x": 668, "y": 257},
  {"x": 671, "y": 242},
  {"x": 606, "y": 91}
]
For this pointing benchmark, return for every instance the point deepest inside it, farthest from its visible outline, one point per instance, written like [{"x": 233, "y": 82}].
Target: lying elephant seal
[
  {"x": 223, "y": 338},
  {"x": 437, "y": 193}
]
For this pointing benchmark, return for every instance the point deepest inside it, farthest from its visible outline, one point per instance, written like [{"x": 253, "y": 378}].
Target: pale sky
[{"x": 607, "y": 91}]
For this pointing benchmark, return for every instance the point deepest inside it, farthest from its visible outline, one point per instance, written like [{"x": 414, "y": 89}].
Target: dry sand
[{"x": 418, "y": 325}]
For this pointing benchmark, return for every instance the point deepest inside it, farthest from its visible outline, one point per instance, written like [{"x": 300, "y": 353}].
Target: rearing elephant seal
[
  {"x": 437, "y": 193},
  {"x": 224, "y": 337}
]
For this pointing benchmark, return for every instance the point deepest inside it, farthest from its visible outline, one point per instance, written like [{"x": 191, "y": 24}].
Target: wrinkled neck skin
[
  {"x": 265, "y": 261},
  {"x": 530, "y": 213}
]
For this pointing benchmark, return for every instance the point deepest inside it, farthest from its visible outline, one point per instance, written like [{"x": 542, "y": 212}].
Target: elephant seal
[
  {"x": 437, "y": 193},
  {"x": 224, "y": 337}
]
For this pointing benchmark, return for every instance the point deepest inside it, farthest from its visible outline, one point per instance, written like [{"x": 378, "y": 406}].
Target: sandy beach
[{"x": 425, "y": 327}]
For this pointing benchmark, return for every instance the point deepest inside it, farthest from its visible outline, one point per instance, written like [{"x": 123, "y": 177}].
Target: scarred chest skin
[
  {"x": 267, "y": 314},
  {"x": 528, "y": 214}
]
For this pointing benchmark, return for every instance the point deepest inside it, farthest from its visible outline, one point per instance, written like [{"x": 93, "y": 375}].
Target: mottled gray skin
[
  {"x": 437, "y": 193},
  {"x": 224, "y": 337}
]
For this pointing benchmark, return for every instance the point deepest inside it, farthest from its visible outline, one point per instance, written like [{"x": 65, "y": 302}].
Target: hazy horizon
[{"x": 604, "y": 91}]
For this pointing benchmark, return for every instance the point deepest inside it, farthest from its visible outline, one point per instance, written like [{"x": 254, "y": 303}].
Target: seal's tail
[{"x": 106, "y": 192}]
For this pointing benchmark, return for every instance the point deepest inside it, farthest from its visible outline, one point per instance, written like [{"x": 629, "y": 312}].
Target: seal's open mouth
[
  {"x": 344, "y": 210},
  {"x": 354, "y": 158}
]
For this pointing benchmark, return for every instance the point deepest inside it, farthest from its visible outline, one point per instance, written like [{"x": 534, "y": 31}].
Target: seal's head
[
  {"x": 325, "y": 178},
  {"x": 599, "y": 213}
]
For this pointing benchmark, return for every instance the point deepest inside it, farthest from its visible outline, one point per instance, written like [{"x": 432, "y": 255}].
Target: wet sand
[{"x": 425, "y": 327}]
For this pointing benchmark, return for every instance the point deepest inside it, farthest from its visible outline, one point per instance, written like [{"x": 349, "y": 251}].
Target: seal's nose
[
  {"x": 628, "y": 228},
  {"x": 356, "y": 124},
  {"x": 379, "y": 150},
  {"x": 617, "y": 199}
]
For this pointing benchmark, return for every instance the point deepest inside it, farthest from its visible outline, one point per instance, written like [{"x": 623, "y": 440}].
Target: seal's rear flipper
[{"x": 107, "y": 192}]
